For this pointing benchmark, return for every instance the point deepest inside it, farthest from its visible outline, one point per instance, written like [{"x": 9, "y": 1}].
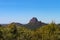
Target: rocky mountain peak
[{"x": 33, "y": 20}]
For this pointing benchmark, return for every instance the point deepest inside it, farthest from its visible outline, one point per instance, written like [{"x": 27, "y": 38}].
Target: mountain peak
[{"x": 33, "y": 20}]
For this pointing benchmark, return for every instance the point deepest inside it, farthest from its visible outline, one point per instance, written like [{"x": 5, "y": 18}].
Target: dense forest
[{"x": 43, "y": 32}]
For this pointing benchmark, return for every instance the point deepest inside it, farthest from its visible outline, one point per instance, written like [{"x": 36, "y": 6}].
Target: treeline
[{"x": 14, "y": 32}]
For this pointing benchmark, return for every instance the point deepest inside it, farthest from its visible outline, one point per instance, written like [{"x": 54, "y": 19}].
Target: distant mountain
[
  {"x": 33, "y": 24},
  {"x": 33, "y": 20}
]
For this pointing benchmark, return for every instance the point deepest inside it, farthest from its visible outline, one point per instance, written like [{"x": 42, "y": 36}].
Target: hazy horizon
[{"x": 23, "y": 10}]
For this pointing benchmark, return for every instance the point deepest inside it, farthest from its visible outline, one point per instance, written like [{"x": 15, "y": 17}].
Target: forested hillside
[{"x": 14, "y": 32}]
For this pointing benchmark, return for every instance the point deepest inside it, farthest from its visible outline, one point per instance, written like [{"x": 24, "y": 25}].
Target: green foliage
[{"x": 14, "y": 32}]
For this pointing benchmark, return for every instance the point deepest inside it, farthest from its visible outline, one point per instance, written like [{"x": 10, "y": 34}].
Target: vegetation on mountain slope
[{"x": 14, "y": 32}]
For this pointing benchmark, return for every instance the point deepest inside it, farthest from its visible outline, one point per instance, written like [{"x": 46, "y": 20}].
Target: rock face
[{"x": 33, "y": 20}]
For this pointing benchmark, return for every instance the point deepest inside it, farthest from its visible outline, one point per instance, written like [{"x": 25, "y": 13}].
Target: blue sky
[{"x": 23, "y": 10}]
